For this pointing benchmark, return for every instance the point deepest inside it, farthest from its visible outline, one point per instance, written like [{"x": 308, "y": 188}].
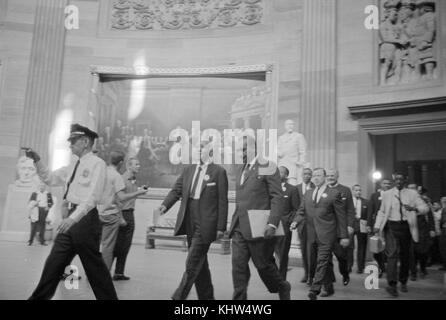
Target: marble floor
[{"x": 156, "y": 273}]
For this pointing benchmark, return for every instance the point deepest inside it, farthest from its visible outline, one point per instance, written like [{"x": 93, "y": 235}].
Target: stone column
[
  {"x": 45, "y": 75},
  {"x": 318, "y": 104}
]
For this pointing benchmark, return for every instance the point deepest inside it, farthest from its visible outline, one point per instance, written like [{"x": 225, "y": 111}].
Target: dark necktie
[
  {"x": 71, "y": 179},
  {"x": 245, "y": 173},
  {"x": 194, "y": 187},
  {"x": 401, "y": 205},
  {"x": 315, "y": 198}
]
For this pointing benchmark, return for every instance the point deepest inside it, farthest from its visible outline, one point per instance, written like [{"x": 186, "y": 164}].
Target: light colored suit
[{"x": 390, "y": 202}]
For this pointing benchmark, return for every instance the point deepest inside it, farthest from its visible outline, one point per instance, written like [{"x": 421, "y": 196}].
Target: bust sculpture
[{"x": 26, "y": 172}]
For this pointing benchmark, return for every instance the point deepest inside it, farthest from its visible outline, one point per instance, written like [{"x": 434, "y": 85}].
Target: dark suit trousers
[
  {"x": 282, "y": 250},
  {"x": 197, "y": 267},
  {"x": 341, "y": 255},
  {"x": 324, "y": 275},
  {"x": 83, "y": 239},
  {"x": 361, "y": 251},
  {"x": 398, "y": 243},
  {"x": 302, "y": 233},
  {"x": 442, "y": 247},
  {"x": 39, "y": 226},
  {"x": 262, "y": 253},
  {"x": 124, "y": 241}
]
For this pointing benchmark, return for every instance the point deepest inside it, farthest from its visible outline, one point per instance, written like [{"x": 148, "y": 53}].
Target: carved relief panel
[
  {"x": 184, "y": 14},
  {"x": 408, "y": 41}
]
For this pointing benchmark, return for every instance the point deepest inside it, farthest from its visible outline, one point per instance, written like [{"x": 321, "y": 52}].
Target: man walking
[
  {"x": 397, "y": 219},
  {"x": 257, "y": 188},
  {"x": 360, "y": 226},
  {"x": 291, "y": 203},
  {"x": 41, "y": 201},
  {"x": 309, "y": 265},
  {"x": 203, "y": 213},
  {"x": 80, "y": 229},
  {"x": 324, "y": 212}
]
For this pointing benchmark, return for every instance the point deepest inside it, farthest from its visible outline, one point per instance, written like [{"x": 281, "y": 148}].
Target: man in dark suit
[
  {"x": 326, "y": 220},
  {"x": 372, "y": 211},
  {"x": 360, "y": 226},
  {"x": 309, "y": 265},
  {"x": 290, "y": 205},
  {"x": 203, "y": 213},
  {"x": 257, "y": 188},
  {"x": 344, "y": 255}
]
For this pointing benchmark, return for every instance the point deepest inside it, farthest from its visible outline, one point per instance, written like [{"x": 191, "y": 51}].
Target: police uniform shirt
[{"x": 87, "y": 187}]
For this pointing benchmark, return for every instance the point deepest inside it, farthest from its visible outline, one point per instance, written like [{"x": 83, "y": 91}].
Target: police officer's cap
[{"x": 80, "y": 131}]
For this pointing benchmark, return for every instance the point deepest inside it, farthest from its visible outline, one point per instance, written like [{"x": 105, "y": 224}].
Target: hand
[
  {"x": 432, "y": 234},
  {"x": 65, "y": 225},
  {"x": 293, "y": 226},
  {"x": 269, "y": 232},
  {"x": 220, "y": 234},
  {"x": 344, "y": 242},
  {"x": 409, "y": 208},
  {"x": 375, "y": 230},
  {"x": 162, "y": 209},
  {"x": 369, "y": 229},
  {"x": 142, "y": 191},
  {"x": 30, "y": 153},
  {"x": 350, "y": 230}
]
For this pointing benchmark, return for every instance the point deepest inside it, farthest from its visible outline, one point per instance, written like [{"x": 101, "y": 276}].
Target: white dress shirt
[
  {"x": 204, "y": 168},
  {"x": 305, "y": 187},
  {"x": 87, "y": 187},
  {"x": 42, "y": 199},
  {"x": 320, "y": 190},
  {"x": 358, "y": 207}
]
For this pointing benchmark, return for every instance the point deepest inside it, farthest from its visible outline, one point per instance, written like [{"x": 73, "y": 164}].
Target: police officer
[{"x": 80, "y": 230}]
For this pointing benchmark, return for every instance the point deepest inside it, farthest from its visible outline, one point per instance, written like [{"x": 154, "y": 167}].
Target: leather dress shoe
[
  {"x": 312, "y": 295},
  {"x": 327, "y": 293},
  {"x": 304, "y": 279},
  {"x": 345, "y": 280},
  {"x": 119, "y": 277},
  {"x": 284, "y": 291},
  {"x": 392, "y": 290}
]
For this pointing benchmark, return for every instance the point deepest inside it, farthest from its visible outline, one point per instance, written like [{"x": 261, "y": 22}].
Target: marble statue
[
  {"x": 292, "y": 152},
  {"x": 27, "y": 173}
]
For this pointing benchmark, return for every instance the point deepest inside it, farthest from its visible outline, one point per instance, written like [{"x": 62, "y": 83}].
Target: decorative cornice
[
  {"x": 189, "y": 71},
  {"x": 422, "y": 104}
]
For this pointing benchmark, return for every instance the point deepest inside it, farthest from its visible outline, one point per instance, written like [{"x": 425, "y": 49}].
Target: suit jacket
[
  {"x": 443, "y": 221},
  {"x": 291, "y": 203},
  {"x": 213, "y": 201},
  {"x": 299, "y": 188},
  {"x": 347, "y": 199},
  {"x": 374, "y": 205},
  {"x": 364, "y": 214},
  {"x": 409, "y": 197},
  {"x": 328, "y": 216},
  {"x": 258, "y": 192}
]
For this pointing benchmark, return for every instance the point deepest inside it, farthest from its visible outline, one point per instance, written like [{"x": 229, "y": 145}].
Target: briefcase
[
  {"x": 258, "y": 220},
  {"x": 376, "y": 244}
]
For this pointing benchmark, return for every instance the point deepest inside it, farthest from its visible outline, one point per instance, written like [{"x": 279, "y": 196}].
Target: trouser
[
  {"x": 434, "y": 252},
  {"x": 39, "y": 226},
  {"x": 361, "y": 250},
  {"x": 442, "y": 246},
  {"x": 398, "y": 242},
  {"x": 110, "y": 228},
  {"x": 83, "y": 239},
  {"x": 349, "y": 253},
  {"x": 124, "y": 241},
  {"x": 302, "y": 233},
  {"x": 341, "y": 255},
  {"x": 417, "y": 257},
  {"x": 197, "y": 268},
  {"x": 380, "y": 260},
  {"x": 262, "y": 253},
  {"x": 324, "y": 275},
  {"x": 282, "y": 249}
]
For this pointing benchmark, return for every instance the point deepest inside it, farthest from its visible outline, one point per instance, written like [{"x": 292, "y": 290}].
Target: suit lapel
[
  {"x": 189, "y": 178},
  {"x": 209, "y": 172}
]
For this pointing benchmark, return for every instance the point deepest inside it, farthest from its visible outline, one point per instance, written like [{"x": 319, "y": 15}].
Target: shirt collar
[
  {"x": 253, "y": 162},
  {"x": 86, "y": 156},
  {"x": 334, "y": 186}
]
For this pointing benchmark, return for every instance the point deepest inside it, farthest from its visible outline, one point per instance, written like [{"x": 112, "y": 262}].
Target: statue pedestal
[{"x": 16, "y": 224}]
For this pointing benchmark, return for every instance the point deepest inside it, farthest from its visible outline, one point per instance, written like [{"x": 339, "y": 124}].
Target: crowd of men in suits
[{"x": 327, "y": 215}]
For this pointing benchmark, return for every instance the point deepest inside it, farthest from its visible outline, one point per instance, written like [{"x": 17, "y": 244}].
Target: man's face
[
  {"x": 399, "y": 181},
  {"x": 283, "y": 174},
  {"x": 134, "y": 166},
  {"x": 26, "y": 170},
  {"x": 357, "y": 191},
  {"x": 385, "y": 185},
  {"x": 318, "y": 178},
  {"x": 306, "y": 175},
  {"x": 289, "y": 126},
  {"x": 78, "y": 145},
  {"x": 332, "y": 177},
  {"x": 393, "y": 15}
]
